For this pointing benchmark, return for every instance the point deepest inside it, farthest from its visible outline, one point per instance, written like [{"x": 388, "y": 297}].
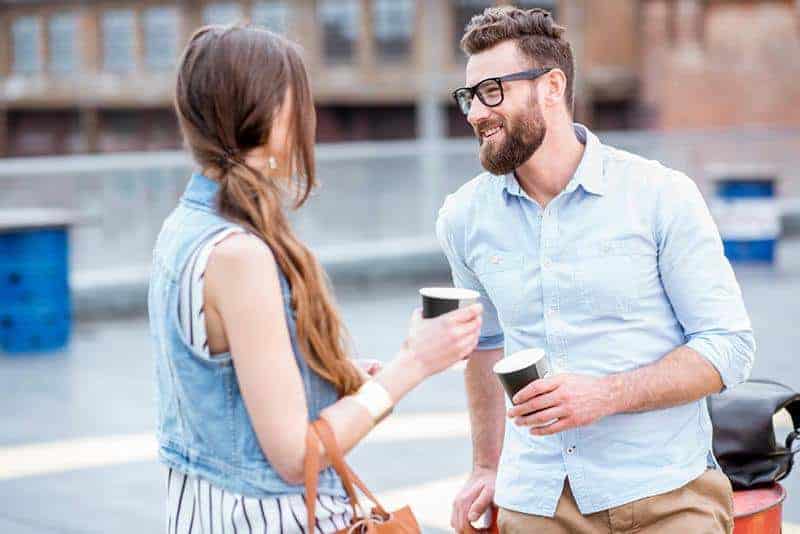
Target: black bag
[{"x": 744, "y": 436}]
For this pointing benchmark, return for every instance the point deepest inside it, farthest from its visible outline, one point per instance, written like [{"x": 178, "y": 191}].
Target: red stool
[{"x": 758, "y": 511}]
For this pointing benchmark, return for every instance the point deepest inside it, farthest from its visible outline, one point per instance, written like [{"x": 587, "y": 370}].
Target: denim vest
[{"x": 203, "y": 427}]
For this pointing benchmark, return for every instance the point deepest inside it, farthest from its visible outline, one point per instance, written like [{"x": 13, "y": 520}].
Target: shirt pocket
[
  {"x": 611, "y": 275},
  {"x": 500, "y": 273}
]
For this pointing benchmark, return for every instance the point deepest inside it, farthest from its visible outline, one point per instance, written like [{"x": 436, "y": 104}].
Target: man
[{"x": 613, "y": 265}]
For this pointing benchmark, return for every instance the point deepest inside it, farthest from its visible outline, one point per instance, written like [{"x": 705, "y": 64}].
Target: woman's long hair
[{"x": 232, "y": 82}]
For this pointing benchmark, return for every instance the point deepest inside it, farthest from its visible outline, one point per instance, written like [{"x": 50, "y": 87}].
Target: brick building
[
  {"x": 97, "y": 75},
  {"x": 720, "y": 63}
]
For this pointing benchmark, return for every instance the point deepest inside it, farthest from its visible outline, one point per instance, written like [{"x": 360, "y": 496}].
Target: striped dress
[{"x": 193, "y": 504}]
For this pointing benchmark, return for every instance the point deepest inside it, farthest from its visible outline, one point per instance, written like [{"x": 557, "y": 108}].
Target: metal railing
[{"x": 376, "y": 204}]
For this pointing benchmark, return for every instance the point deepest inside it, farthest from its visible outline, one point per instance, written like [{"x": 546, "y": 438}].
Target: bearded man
[{"x": 612, "y": 264}]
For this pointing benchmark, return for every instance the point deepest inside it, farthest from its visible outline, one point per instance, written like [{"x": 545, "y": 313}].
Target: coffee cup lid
[
  {"x": 449, "y": 293},
  {"x": 518, "y": 360}
]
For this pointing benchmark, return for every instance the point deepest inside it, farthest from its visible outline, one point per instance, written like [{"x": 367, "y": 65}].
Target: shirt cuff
[
  {"x": 732, "y": 361},
  {"x": 491, "y": 342}
]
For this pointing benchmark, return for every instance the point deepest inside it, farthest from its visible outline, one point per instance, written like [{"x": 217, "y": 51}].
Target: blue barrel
[
  {"x": 35, "y": 305},
  {"x": 747, "y": 214}
]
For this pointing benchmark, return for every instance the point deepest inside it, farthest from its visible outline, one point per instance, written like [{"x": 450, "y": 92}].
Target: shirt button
[{"x": 571, "y": 450}]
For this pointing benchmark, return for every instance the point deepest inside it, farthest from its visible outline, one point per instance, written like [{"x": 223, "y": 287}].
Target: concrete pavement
[{"x": 76, "y": 448}]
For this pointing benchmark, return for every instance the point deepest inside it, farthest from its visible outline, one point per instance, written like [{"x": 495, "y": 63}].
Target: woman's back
[{"x": 203, "y": 424}]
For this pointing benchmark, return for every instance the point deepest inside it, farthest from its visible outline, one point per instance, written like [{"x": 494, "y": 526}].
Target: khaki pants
[{"x": 703, "y": 506}]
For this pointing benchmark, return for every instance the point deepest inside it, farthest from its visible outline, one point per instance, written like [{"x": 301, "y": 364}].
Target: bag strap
[
  {"x": 347, "y": 475},
  {"x": 311, "y": 468},
  {"x": 316, "y": 434},
  {"x": 363, "y": 487}
]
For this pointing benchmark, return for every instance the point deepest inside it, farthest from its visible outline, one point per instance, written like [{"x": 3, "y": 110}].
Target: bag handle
[
  {"x": 318, "y": 433},
  {"x": 793, "y": 407},
  {"x": 347, "y": 475},
  {"x": 311, "y": 468},
  {"x": 334, "y": 453}
]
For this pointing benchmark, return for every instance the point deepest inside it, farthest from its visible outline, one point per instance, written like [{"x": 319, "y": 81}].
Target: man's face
[{"x": 510, "y": 133}]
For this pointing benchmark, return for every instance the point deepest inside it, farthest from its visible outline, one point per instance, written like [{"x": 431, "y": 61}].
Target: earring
[{"x": 272, "y": 162}]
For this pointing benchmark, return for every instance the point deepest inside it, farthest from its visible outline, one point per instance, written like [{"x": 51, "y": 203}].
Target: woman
[{"x": 249, "y": 346}]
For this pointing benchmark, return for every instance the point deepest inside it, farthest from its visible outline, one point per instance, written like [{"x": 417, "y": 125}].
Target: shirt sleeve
[
  {"x": 700, "y": 283},
  {"x": 449, "y": 232}
]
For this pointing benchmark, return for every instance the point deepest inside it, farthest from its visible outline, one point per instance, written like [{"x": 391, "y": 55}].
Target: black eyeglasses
[{"x": 490, "y": 90}]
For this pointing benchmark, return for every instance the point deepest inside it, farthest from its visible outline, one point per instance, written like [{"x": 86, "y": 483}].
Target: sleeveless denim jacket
[{"x": 203, "y": 427}]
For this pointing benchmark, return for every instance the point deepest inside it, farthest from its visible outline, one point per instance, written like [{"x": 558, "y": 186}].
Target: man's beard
[{"x": 523, "y": 136}]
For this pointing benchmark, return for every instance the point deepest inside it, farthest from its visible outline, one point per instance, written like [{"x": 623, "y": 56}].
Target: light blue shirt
[{"x": 622, "y": 267}]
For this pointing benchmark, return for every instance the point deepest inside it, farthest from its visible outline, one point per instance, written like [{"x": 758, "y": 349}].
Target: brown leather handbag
[{"x": 378, "y": 521}]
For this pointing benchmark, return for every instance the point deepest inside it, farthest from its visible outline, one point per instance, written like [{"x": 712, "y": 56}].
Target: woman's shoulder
[
  {"x": 243, "y": 253},
  {"x": 242, "y": 277}
]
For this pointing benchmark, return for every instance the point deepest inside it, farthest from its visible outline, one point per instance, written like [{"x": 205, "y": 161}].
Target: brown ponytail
[{"x": 231, "y": 83}]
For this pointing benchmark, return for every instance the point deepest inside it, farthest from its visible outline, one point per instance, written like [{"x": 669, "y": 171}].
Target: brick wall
[{"x": 721, "y": 63}]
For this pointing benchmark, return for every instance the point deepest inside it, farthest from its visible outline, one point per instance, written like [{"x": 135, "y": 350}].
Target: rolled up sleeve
[
  {"x": 450, "y": 231},
  {"x": 700, "y": 283}
]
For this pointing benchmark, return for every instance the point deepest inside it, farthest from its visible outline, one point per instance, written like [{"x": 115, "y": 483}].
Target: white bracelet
[{"x": 375, "y": 399}]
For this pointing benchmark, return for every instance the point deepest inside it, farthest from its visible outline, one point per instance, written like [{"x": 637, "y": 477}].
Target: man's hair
[{"x": 537, "y": 35}]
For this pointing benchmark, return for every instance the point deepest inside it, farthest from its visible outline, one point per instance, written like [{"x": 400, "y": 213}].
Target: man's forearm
[
  {"x": 486, "y": 408},
  {"x": 680, "y": 377}
]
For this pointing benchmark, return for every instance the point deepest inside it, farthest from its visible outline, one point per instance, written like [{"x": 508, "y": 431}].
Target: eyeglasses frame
[{"x": 530, "y": 74}]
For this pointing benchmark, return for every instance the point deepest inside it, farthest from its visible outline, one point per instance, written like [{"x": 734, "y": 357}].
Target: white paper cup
[{"x": 437, "y": 301}]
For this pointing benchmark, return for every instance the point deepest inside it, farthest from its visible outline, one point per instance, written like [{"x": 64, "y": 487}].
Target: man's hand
[
  {"x": 575, "y": 400},
  {"x": 474, "y": 498}
]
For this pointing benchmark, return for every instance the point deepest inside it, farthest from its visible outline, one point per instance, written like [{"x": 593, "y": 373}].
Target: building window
[
  {"x": 394, "y": 27},
  {"x": 271, "y": 15},
  {"x": 160, "y": 38},
  {"x": 26, "y": 45},
  {"x": 118, "y": 40},
  {"x": 43, "y": 132},
  {"x": 463, "y": 11},
  {"x": 222, "y": 13},
  {"x": 340, "y": 25},
  {"x": 121, "y": 130},
  {"x": 365, "y": 122},
  {"x": 62, "y": 30}
]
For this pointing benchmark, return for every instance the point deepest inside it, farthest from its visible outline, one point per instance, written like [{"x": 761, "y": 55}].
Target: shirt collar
[
  {"x": 588, "y": 175},
  {"x": 201, "y": 190}
]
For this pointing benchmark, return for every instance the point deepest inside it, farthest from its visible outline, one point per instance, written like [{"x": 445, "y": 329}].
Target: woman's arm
[{"x": 243, "y": 287}]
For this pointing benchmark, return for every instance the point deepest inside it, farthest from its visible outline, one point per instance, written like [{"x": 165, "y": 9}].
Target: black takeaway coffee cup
[
  {"x": 520, "y": 369},
  {"x": 437, "y": 301}
]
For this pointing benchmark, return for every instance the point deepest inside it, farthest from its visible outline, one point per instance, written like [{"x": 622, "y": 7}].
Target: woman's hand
[
  {"x": 368, "y": 366},
  {"x": 438, "y": 343}
]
